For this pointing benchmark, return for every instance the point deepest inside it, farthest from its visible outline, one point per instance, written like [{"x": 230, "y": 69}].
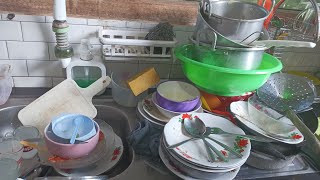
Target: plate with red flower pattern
[
  {"x": 194, "y": 151},
  {"x": 106, "y": 162},
  {"x": 240, "y": 110}
]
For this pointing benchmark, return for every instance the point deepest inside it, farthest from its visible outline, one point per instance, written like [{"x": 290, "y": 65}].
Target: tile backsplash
[{"x": 27, "y": 43}]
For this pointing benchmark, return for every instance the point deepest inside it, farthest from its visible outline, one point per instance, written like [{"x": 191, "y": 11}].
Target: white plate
[
  {"x": 104, "y": 164},
  {"x": 194, "y": 151},
  {"x": 241, "y": 108},
  {"x": 152, "y": 110},
  {"x": 192, "y": 165},
  {"x": 182, "y": 175},
  {"x": 147, "y": 117}
]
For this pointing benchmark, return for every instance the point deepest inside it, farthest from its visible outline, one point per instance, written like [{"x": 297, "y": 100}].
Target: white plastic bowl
[
  {"x": 268, "y": 119},
  {"x": 169, "y": 113}
]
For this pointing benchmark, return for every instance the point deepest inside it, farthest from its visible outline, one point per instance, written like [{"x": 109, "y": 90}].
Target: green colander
[{"x": 224, "y": 81}]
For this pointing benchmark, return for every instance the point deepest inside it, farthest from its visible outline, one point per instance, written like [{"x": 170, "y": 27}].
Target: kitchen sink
[
  {"x": 118, "y": 120},
  {"x": 109, "y": 112},
  {"x": 131, "y": 166}
]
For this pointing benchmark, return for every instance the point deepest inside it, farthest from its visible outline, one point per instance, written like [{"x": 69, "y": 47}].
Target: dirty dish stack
[
  {"x": 190, "y": 161},
  {"x": 92, "y": 152},
  {"x": 220, "y": 60},
  {"x": 171, "y": 98}
]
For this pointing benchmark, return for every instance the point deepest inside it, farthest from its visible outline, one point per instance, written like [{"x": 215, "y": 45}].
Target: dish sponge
[{"x": 143, "y": 81}]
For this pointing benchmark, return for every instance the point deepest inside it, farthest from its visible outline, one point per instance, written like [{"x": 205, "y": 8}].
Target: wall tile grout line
[
  {"x": 21, "y": 31},
  {"x": 27, "y": 68},
  {"x": 7, "y": 49},
  {"x": 49, "y": 51}
]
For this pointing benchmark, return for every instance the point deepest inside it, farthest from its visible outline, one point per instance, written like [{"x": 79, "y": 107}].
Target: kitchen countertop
[{"x": 138, "y": 169}]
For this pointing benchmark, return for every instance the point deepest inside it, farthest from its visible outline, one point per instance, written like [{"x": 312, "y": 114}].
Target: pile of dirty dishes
[
  {"x": 270, "y": 123},
  {"x": 190, "y": 160},
  {"x": 77, "y": 145},
  {"x": 172, "y": 98}
]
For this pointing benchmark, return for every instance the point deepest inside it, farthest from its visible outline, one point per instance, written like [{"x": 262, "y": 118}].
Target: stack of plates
[
  {"x": 148, "y": 109},
  {"x": 105, "y": 156},
  {"x": 240, "y": 110},
  {"x": 190, "y": 160}
]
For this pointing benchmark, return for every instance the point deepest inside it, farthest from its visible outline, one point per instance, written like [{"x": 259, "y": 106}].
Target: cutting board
[{"x": 66, "y": 97}]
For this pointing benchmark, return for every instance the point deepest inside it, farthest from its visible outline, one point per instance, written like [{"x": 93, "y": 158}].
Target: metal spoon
[
  {"x": 216, "y": 130},
  {"x": 196, "y": 128}
]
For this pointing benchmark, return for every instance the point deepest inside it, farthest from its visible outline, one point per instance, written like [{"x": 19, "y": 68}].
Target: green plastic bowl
[{"x": 225, "y": 81}]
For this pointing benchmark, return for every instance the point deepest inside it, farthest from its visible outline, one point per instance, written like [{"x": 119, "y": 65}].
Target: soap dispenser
[{"x": 85, "y": 68}]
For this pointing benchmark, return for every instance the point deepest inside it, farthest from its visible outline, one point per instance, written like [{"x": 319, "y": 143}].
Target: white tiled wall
[{"x": 27, "y": 43}]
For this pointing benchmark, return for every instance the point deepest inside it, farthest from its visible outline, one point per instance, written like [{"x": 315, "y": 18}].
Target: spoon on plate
[{"x": 196, "y": 128}]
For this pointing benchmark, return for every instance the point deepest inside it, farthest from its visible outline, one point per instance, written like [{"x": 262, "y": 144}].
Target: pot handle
[
  {"x": 205, "y": 5},
  {"x": 257, "y": 32},
  {"x": 205, "y": 32}
]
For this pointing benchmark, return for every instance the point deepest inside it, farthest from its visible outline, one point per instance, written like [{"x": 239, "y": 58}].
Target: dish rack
[
  {"x": 126, "y": 45},
  {"x": 303, "y": 26}
]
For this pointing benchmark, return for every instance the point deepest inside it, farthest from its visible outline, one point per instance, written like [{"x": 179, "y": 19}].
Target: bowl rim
[
  {"x": 155, "y": 101},
  {"x": 178, "y": 53},
  {"x": 254, "y": 98},
  {"x": 179, "y": 82},
  {"x": 71, "y": 115},
  {"x": 61, "y": 144}
]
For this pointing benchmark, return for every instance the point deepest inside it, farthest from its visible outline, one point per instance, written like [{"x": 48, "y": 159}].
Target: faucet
[{"x": 63, "y": 51}]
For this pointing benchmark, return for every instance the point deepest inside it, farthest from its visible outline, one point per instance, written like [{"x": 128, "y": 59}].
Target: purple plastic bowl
[{"x": 177, "y": 87}]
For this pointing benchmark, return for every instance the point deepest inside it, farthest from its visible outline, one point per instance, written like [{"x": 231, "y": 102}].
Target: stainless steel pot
[
  {"x": 238, "y": 21},
  {"x": 202, "y": 25},
  {"x": 231, "y": 57}
]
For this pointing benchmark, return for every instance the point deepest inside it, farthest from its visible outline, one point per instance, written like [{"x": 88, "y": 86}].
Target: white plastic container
[
  {"x": 25, "y": 133},
  {"x": 131, "y": 44},
  {"x": 5, "y": 83},
  {"x": 121, "y": 93}
]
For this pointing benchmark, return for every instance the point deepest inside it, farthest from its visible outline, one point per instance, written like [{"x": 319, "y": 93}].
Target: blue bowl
[{"x": 63, "y": 127}]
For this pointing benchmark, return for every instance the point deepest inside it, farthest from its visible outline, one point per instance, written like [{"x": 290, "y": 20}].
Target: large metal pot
[
  {"x": 230, "y": 57},
  {"x": 238, "y": 21},
  {"x": 202, "y": 25}
]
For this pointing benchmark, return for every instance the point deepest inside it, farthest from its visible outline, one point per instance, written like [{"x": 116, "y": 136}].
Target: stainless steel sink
[
  {"x": 119, "y": 121},
  {"x": 109, "y": 112},
  {"x": 122, "y": 120}
]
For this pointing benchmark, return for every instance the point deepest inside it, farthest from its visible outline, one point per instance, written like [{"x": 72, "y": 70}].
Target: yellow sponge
[{"x": 143, "y": 81}]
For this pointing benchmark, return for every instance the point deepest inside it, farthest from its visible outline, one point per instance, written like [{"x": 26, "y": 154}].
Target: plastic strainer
[{"x": 286, "y": 91}]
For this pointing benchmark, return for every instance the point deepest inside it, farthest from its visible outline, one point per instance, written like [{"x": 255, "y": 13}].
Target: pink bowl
[{"x": 71, "y": 150}]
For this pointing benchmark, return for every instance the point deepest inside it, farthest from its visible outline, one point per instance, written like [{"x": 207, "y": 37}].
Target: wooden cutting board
[{"x": 66, "y": 97}]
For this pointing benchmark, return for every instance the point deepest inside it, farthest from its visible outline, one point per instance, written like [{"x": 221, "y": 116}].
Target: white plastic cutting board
[{"x": 66, "y": 97}]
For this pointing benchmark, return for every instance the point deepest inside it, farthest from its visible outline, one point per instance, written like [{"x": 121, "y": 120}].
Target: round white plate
[
  {"x": 147, "y": 117},
  {"x": 227, "y": 176},
  {"x": 150, "y": 108},
  {"x": 240, "y": 110},
  {"x": 104, "y": 164},
  {"x": 192, "y": 165},
  {"x": 194, "y": 151}
]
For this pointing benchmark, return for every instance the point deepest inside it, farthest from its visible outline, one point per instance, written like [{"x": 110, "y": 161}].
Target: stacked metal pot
[{"x": 228, "y": 27}]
